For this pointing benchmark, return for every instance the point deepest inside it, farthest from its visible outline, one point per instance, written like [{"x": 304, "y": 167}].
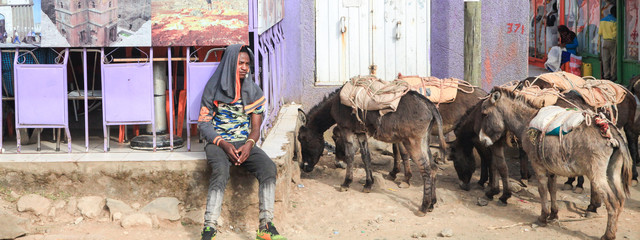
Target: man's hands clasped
[{"x": 239, "y": 155}]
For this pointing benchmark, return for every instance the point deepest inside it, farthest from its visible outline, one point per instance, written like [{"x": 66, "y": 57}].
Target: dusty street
[{"x": 319, "y": 211}]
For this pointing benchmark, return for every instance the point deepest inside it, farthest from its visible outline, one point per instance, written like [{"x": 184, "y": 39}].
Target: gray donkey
[
  {"x": 586, "y": 152},
  {"x": 410, "y": 125}
]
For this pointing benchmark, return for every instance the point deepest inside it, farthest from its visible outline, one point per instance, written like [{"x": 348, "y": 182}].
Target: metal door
[{"x": 355, "y": 37}]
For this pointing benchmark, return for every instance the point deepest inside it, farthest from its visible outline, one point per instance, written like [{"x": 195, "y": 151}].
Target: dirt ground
[{"x": 319, "y": 211}]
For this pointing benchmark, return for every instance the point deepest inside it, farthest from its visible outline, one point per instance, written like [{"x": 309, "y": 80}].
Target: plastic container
[{"x": 587, "y": 69}]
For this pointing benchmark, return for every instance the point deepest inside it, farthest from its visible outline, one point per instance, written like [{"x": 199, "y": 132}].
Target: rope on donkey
[
  {"x": 423, "y": 83},
  {"x": 364, "y": 84}
]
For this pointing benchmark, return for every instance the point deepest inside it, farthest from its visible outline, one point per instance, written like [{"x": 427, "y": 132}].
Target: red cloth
[{"x": 604, "y": 127}]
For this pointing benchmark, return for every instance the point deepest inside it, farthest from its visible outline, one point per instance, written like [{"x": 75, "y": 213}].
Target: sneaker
[
  {"x": 209, "y": 233},
  {"x": 269, "y": 232}
]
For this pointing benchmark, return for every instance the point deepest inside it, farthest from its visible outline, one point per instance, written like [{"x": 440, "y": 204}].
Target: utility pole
[{"x": 472, "y": 57}]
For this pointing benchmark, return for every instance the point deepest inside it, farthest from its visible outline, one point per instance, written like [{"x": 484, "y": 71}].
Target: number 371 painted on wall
[{"x": 514, "y": 27}]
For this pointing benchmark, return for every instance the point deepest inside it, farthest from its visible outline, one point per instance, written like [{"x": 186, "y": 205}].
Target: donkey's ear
[
  {"x": 494, "y": 97},
  {"x": 302, "y": 116}
]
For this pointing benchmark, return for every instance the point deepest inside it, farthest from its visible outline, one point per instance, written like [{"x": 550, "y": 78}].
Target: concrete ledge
[
  {"x": 142, "y": 177},
  {"x": 102, "y": 157}
]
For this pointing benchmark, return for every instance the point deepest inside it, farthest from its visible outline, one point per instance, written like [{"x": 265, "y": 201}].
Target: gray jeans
[
  {"x": 609, "y": 59},
  {"x": 258, "y": 163}
]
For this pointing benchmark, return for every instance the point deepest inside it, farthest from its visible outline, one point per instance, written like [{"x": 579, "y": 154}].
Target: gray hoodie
[{"x": 225, "y": 86}]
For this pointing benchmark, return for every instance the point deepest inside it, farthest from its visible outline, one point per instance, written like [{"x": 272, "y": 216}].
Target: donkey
[
  {"x": 626, "y": 119},
  {"x": 410, "y": 124},
  {"x": 461, "y": 153},
  {"x": 634, "y": 129},
  {"x": 451, "y": 113},
  {"x": 582, "y": 152},
  {"x": 493, "y": 161}
]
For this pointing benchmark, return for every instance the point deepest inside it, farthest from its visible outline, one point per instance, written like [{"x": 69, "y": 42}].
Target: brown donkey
[
  {"x": 584, "y": 152},
  {"x": 410, "y": 124},
  {"x": 451, "y": 113}
]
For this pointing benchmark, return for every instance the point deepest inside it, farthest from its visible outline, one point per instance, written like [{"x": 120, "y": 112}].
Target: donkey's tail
[
  {"x": 620, "y": 163},
  {"x": 627, "y": 172},
  {"x": 438, "y": 118}
]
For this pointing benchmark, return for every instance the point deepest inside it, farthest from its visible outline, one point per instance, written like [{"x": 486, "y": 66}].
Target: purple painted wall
[
  {"x": 299, "y": 30},
  {"x": 292, "y": 28},
  {"x": 504, "y": 52},
  {"x": 504, "y": 55},
  {"x": 504, "y": 48},
  {"x": 447, "y": 46}
]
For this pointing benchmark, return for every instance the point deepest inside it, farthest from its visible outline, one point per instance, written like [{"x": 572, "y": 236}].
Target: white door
[{"x": 353, "y": 35}]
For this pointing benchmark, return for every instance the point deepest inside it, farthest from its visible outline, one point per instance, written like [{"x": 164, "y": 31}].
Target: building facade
[
  {"x": 504, "y": 50},
  {"x": 88, "y": 22},
  {"x": 16, "y": 18}
]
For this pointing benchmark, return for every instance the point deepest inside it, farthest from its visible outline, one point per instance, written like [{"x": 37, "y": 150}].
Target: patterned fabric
[{"x": 232, "y": 122}]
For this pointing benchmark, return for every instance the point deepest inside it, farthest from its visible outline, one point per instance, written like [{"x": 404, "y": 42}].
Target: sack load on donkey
[
  {"x": 614, "y": 101},
  {"x": 554, "y": 120},
  {"x": 456, "y": 98},
  {"x": 411, "y": 124},
  {"x": 583, "y": 151}
]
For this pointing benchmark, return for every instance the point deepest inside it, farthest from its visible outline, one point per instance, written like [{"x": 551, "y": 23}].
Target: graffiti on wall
[
  {"x": 632, "y": 30},
  {"x": 199, "y": 22},
  {"x": 505, "y": 40}
]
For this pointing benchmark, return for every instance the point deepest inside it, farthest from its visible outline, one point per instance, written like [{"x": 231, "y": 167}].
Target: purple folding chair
[
  {"x": 198, "y": 74},
  {"x": 127, "y": 94},
  {"x": 41, "y": 96}
]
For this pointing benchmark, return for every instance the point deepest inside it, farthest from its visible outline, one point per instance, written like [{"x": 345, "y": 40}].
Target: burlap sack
[
  {"x": 600, "y": 93},
  {"x": 371, "y": 93},
  {"x": 440, "y": 90},
  {"x": 563, "y": 81},
  {"x": 596, "y": 93},
  {"x": 539, "y": 97}
]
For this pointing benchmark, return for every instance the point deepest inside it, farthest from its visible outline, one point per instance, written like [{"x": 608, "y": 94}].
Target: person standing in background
[
  {"x": 608, "y": 32},
  {"x": 16, "y": 37}
]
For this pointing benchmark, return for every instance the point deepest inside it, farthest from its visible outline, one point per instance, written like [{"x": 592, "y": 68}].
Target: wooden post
[
  {"x": 620, "y": 42},
  {"x": 472, "y": 57}
]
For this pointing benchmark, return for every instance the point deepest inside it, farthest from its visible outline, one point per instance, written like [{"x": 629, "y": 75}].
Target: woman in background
[{"x": 558, "y": 55}]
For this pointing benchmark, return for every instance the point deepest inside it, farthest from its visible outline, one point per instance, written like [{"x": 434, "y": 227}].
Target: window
[
  {"x": 61, "y": 6},
  {"x": 93, "y": 4},
  {"x": 83, "y": 36},
  {"x": 109, "y": 4},
  {"x": 631, "y": 29},
  {"x": 113, "y": 33}
]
